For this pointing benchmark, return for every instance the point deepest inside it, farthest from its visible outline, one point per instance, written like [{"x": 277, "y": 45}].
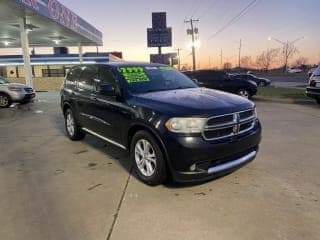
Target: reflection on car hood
[{"x": 193, "y": 101}]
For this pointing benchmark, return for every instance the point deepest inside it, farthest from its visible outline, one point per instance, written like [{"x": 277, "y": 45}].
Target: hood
[
  {"x": 18, "y": 85},
  {"x": 193, "y": 102}
]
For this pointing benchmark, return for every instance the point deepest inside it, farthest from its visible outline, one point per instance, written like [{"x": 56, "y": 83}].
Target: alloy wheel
[
  {"x": 70, "y": 124},
  {"x": 244, "y": 93},
  {"x": 145, "y": 157},
  {"x": 4, "y": 101}
]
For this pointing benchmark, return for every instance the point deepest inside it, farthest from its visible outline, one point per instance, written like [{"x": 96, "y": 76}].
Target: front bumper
[
  {"x": 313, "y": 92},
  {"x": 22, "y": 96},
  {"x": 194, "y": 159}
]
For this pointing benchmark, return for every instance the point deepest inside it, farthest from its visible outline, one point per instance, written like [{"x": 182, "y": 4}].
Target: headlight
[
  {"x": 186, "y": 125},
  {"x": 15, "y": 89},
  {"x": 255, "y": 112}
]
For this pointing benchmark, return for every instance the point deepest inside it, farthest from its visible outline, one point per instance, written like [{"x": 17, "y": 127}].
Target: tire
[
  {"x": 244, "y": 93},
  {"x": 73, "y": 129},
  {"x": 148, "y": 159},
  {"x": 5, "y": 100},
  {"x": 318, "y": 100}
]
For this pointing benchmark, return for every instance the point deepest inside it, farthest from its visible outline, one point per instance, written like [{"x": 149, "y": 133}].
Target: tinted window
[
  {"x": 207, "y": 76},
  {"x": 105, "y": 76},
  {"x": 89, "y": 73},
  {"x": 74, "y": 74}
]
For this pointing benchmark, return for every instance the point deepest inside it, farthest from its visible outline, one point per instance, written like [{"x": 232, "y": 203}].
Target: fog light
[{"x": 193, "y": 167}]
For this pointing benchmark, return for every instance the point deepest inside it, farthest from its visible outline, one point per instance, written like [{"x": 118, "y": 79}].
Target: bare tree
[
  {"x": 288, "y": 51},
  {"x": 246, "y": 62},
  {"x": 265, "y": 59},
  {"x": 301, "y": 61}
]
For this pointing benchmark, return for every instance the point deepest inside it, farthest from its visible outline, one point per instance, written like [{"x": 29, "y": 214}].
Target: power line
[
  {"x": 234, "y": 19},
  {"x": 205, "y": 12}
]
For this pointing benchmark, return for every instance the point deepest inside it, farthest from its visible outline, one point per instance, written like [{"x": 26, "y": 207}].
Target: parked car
[
  {"x": 294, "y": 70},
  {"x": 261, "y": 82},
  {"x": 222, "y": 81},
  {"x": 168, "y": 124},
  {"x": 311, "y": 71},
  {"x": 14, "y": 93},
  {"x": 313, "y": 88}
]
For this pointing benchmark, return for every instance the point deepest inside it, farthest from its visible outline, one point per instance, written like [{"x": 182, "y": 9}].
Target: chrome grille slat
[{"x": 243, "y": 122}]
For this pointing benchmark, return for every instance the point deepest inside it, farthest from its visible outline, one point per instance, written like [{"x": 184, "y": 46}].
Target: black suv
[
  {"x": 222, "y": 81},
  {"x": 169, "y": 125}
]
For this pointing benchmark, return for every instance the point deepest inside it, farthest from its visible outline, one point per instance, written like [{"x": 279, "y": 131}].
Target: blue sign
[
  {"x": 159, "y": 37},
  {"x": 57, "y": 12},
  {"x": 159, "y": 20}
]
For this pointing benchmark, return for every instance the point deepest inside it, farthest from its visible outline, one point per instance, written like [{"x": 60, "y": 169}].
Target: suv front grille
[{"x": 229, "y": 125}]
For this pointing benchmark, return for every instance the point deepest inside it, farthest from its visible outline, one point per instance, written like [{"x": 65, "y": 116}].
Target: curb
[{"x": 283, "y": 100}]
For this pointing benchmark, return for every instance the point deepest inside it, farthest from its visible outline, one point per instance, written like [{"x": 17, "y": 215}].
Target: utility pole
[
  {"x": 179, "y": 63},
  {"x": 192, "y": 32},
  {"x": 221, "y": 56},
  {"x": 240, "y": 46}
]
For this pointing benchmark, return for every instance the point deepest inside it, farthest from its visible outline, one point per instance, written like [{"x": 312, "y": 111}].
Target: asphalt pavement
[{"x": 54, "y": 189}]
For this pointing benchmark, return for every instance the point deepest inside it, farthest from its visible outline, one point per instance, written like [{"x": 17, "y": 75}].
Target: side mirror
[
  {"x": 108, "y": 90},
  {"x": 195, "y": 81}
]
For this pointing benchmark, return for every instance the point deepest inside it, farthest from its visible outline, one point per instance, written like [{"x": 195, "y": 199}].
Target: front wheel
[
  {"x": 5, "y": 101},
  {"x": 318, "y": 100},
  {"x": 148, "y": 159},
  {"x": 244, "y": 93},
  {"x": 72, "y": 127}
]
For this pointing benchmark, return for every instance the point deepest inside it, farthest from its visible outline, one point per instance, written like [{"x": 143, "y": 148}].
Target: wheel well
[
  {"x": 66, "y": 106},
  {"x": 4, "y": 93},
  {"x": 133, "y": 130}
]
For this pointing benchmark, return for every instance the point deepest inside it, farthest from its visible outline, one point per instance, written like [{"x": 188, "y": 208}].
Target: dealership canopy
[{"x": 43, "y": 23}]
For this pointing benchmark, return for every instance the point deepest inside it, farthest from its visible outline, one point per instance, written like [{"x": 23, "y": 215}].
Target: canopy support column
[
  {"x": 25, "y": 51},
  {"x": 80, "y": 54}
]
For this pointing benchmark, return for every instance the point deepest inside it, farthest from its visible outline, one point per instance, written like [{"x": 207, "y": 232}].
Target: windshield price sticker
[
  {"x": 166, "y": 68},
  {"x": 134, "y": 74}
]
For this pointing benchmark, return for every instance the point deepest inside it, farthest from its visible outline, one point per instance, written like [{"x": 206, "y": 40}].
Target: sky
[{"x": 124, "y": 23}]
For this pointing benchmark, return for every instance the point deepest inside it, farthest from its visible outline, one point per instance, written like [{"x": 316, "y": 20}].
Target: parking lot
[{"x": 52, "y": 188}]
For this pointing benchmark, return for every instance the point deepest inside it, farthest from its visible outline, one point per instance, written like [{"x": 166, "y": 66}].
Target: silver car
[{"x": 14, "y": 93}]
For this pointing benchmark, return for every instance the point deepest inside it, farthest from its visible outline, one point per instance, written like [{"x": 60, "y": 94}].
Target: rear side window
[
  {"x": 74, "y": 74},
  {"x": 89, "y": 73},
  {"x": 104, "y": 76}
]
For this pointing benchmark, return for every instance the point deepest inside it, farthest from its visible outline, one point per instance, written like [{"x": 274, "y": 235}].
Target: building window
[{"x": 53, "y": 72}]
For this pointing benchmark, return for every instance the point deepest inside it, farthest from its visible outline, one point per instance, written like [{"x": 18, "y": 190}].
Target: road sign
[
  {"x": 163, "y": 58},
  {"x": 159, "y": 20},
  {"x": 159, "y": 37}
]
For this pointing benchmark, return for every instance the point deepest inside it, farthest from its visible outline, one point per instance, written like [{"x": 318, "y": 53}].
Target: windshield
[
  {"x": 3, "y": 81},
  {"x": 143, "y": 79}
]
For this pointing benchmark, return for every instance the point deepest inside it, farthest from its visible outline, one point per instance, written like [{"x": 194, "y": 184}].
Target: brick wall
[{"x": 42, "y": 84}]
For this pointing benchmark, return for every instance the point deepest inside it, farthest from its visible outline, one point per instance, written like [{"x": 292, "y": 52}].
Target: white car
[
  {"x": 14, "y": 92},
  {"x": 294, "y": 70}
]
